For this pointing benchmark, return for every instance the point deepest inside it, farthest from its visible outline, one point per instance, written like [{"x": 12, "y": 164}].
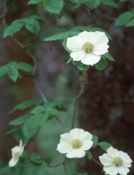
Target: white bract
[
  {"x": 75, "y": 143},
  {"x": 115, "y": 162},
  {"x": 16, "y": 153},
  {"x": 88, "y": 47}
]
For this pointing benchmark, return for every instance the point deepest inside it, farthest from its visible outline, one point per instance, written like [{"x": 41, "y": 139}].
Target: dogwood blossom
[
  {"x": 88, "y": 47},
  {"x": 16, "y": 153},
  {"x": 75, "y": 143},
  {"x": 115, "y": 162}
]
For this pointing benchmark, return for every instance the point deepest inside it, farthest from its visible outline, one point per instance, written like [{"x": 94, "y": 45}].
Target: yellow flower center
[
  {"x": 76, "y": 144},
  {"x": 88, "y": 47},
  {"x": 117, "y": 161}
]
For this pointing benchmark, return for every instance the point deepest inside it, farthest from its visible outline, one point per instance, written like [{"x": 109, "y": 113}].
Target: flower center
[
  {"x": 76, "y": 144},
  {"x": 88, "y": 47},
  {"x": 117, "y": 161}
]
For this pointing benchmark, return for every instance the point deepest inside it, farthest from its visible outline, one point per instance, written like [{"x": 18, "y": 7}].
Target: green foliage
[
  {"x": 102, "y": 65},
  {"x": 65, "y": 33},
  {"x": 13, "y": 68},
  {"x": 97, "y": 3},
  {"x": 89, "y": 156},
  {"x": 81, "y": 67},
  {"x": 95, "y": 140},
  {"x": 13, "y": 28},
  {"x": 32, "y": 121},
  {"x": 24, "y": 105},
  {"x": 126, "y": 19},
  {"x": 33, "y": 2},
  {"x": 112, "y": 3},
  {"x": 31, "y": 23},
  {"x": 53, "y": 6},
  {"x": 92, "y": 3},
  {"x": 36, "y": 159},
  {"x": 104, "y": 145}
]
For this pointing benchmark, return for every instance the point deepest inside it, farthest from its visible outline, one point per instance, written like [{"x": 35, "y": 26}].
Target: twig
[
  {"x": 28, "y": 53},
  {"x": 42, "y": 95},
  {"x": 75, "y": 116},
  {"x": 97, "y": 162}
]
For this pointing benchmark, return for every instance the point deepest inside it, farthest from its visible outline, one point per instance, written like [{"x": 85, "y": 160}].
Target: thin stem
[
  {"x": 75, "y": 116},
  {"x": 28, "y": 53},
  {"x": 97, "y": 162},
  {"x": 42, "y": 95},
  {"x": 44, "y": 98}
]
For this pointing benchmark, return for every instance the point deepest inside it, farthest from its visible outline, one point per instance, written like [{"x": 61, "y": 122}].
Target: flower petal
[
  {"x": 123, "y": 171},
  {"x": 76, "y": 154},
  {"x": 110, "y": 170},
  {"x": 74, "y": 43},
  {"x": 112, "y": 152},
  {"x": 63, "y": 147},
  {"x": 91, "y": 59},
  {"x": 94, "y": 37},
  {"x": 100, "y": 49},
  {"x": 127, "y": 161},
  {"x": 13, "y": 162},
  {"x": 87, "y": 144},
  {"x": 77, "y": 56},
  {"x": 105, "y": 160},
  {"x": 100, "y": 37}
]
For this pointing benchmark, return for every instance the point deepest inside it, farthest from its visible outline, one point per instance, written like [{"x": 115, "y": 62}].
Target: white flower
[
  {"x": 88, "y": 47},
  {"x": 16, "y": 152},
  {"x": 75, "y": 143},
  {"x": 115, "y": 162}
]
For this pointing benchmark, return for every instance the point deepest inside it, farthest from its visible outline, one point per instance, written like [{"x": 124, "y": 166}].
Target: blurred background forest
[{"x": 106, "y": 107}]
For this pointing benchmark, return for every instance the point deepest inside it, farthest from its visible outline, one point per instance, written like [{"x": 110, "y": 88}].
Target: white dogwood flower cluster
[
  {"x": 88, "y": 47},
  {"x": 77, "y": 142},
  {"x": 115, "y": 162}
]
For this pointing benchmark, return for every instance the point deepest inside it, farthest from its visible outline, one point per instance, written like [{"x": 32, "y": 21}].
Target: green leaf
[
  {"x": 24, "y": 105},
  {"x": 3, "y": 70},
  {"x": 126, "y": 19},
  {"x": 13, "y": 72},
  {"x": 65, "y": 33},
  {"x": 25, "y": 67},
  {"x": 13, "y": 28},
  {"x": 130, "y": 23},
  {"x": 36, "y": 159},
  {"x": 38, "y": 109},
  {"x": 54, "y": 6},
  {"x": 104, "y": 145},
  {"x": 32, "y": 24},
  {"x": 31, "y": 126},
  {"x": 108, "y": 56},
  {"x": 58, "y": 160},
  {"x": 12, "y": 69},
  {"x": 102, "y": 65},
  {"x": 93, "y": 3},
  {"x": 111, "y": 3},
  {"x": 33, "y": 2},
  {"x": 61, "y": 35},
  {"x": 71, "y": 167},
  {"x": 19, "y": 120},
  {"x": 89, "y": 156},
  {"x": 81, "y": 66},
  {"x": 95, "y": 140}
]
